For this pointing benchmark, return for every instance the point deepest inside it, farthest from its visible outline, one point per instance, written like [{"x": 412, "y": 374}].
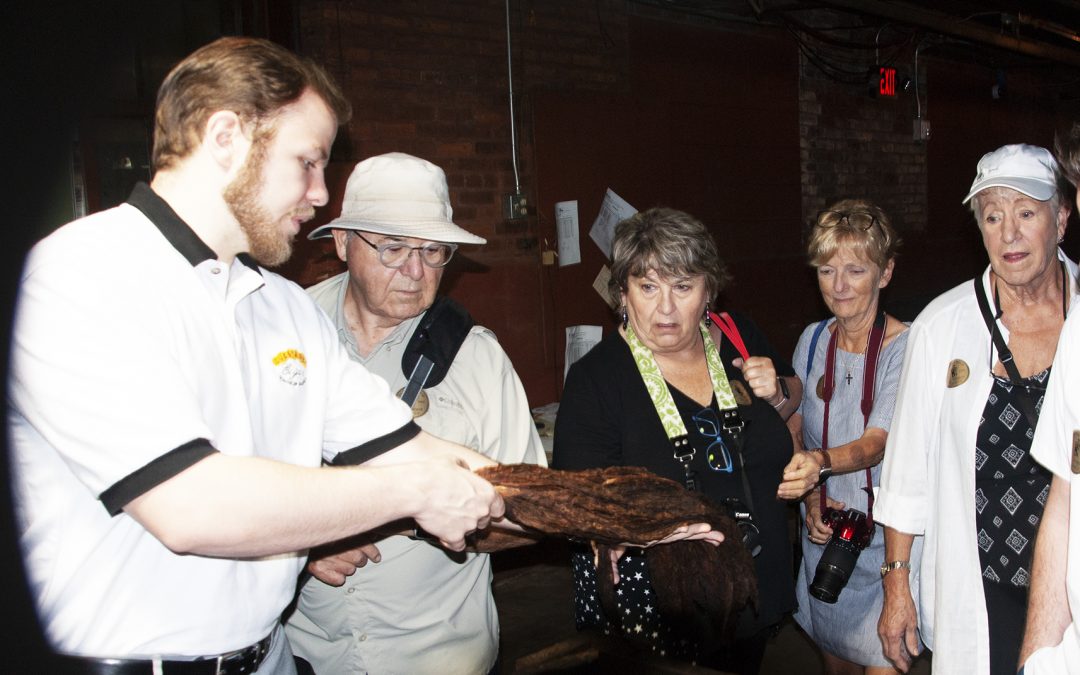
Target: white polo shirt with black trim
[{"x": 136, "y": 353}]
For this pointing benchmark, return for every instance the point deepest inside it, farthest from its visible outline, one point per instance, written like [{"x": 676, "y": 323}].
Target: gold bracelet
[{"x": 894, "y": 565}]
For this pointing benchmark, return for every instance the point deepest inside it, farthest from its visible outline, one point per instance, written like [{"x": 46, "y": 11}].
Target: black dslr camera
[
  {"x": 751, "y": 535},
  {"x": 852, "y": 532}
]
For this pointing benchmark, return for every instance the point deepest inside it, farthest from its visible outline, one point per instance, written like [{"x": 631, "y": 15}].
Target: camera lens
[
  {"x": 751, "y": 537},
  {"x": 834, "y": 569}
]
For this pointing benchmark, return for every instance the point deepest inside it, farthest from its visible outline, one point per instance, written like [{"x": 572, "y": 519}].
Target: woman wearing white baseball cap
[{"x": 957, "y": 465}]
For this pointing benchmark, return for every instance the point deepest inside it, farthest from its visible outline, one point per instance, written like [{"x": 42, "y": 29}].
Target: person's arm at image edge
[{"x": 1048, "y": 602}]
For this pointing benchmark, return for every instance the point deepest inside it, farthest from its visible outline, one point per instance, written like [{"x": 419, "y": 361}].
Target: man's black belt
[{"x": 239, "y": 662}]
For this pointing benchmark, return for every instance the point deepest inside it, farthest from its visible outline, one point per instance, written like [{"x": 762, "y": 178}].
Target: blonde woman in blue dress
[{"x": 842, "y": 423}]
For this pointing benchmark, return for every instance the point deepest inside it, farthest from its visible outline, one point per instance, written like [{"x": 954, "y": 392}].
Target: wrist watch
[
  {"x": 826, "y": 466},
  {"x": 894, "y": 565},
  {"x": 785, "y": 395}
]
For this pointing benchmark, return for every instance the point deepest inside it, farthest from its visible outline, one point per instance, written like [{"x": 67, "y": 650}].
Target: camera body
[
  {"x": 852, "y": 532},
  {"x": 751, "y": 535}
]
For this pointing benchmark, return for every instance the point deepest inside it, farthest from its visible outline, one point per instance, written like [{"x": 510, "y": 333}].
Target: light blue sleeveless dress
[{"x": 847, "y": 629}]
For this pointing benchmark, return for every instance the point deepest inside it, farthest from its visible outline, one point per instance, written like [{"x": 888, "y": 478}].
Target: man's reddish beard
[{"x": 267, "y": 244}]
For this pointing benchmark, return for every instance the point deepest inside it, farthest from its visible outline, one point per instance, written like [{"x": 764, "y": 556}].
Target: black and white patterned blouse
[{"x": 1010, "y": 487}]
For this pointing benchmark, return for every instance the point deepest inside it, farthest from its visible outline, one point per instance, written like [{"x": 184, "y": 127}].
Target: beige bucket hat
[{"x": 398, "y": 195}]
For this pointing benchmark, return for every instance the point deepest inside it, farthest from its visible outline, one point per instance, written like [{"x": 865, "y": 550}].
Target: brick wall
[
  {"x": 429, "y": 77},
  {"x": 852, "y": 145}
]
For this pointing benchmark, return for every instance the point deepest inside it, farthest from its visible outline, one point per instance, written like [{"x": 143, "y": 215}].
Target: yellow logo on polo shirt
[{"x": 291, "y": 365}]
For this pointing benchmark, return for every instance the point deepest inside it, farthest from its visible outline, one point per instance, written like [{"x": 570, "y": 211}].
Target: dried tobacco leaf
[{"x": 700, "y": 588}]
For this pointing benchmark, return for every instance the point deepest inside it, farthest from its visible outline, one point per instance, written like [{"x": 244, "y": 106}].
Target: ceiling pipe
[
  {"x": 948, "y": 25},
  {"x": 1047, "y": 26}
]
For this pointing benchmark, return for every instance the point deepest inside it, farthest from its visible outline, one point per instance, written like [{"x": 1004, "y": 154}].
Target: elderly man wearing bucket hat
[
  {"x": 419, "y": 610},
  {"x": 961, "y": 496}
]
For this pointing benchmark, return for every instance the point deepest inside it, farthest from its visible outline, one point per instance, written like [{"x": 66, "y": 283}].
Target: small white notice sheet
[
  {"x": 579, "y": 340},
  {"x": 612, "y": 210},
  {"x": 566, "y": 224}
]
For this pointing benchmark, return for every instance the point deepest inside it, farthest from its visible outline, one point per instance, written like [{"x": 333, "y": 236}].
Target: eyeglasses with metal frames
[
  {"x": 862, "y": 220},
  {"x": 395, "y": 254}
]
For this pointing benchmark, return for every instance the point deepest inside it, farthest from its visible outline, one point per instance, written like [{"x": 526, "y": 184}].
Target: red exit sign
[{"x": 886, "y": 81}]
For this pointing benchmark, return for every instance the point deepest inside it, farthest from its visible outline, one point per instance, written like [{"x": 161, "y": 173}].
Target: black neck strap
[
  {"x": 731, "y": 424},
  {"x": 1026, "y": 399},
  {"x": 874, "y": 341}
]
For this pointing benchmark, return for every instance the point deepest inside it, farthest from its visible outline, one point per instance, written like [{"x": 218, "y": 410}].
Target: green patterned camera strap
[{"x": 665, "y": 405}]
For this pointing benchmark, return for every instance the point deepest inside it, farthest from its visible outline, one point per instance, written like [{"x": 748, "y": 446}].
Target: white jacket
[{"x": 928, "y": 475}]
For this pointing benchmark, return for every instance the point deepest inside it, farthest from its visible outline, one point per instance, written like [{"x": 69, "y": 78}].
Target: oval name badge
[
  {"x": 420, "y": 405},
  {"x": 958, "y": 373},
  {"x": 820, "y": 388}
]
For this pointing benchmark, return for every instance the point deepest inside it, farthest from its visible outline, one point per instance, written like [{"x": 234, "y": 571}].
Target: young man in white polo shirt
[{"x": 171, "y": 401}]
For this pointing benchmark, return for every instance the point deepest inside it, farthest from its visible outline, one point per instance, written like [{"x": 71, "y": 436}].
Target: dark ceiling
[{"x": 1000, "y": 33}]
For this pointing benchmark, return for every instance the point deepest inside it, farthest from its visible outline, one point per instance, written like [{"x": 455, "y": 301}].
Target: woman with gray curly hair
[{"x": 693, "y": 396}]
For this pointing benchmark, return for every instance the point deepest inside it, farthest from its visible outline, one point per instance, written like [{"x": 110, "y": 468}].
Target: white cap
[{"x": 1025, "y": 168}]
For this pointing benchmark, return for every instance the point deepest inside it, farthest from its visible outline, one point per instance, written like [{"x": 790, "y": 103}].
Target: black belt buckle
[{"x": 242, "y": 661}]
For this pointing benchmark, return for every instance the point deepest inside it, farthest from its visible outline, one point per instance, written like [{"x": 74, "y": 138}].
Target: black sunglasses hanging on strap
[{"x": 1026, "y": 400}]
